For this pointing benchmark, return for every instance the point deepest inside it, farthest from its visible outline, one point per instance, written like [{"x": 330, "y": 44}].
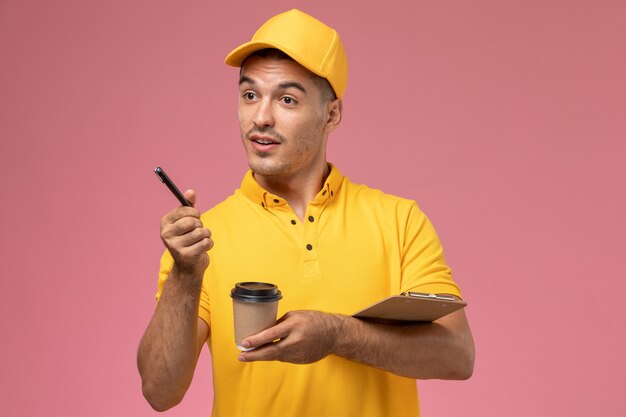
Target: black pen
[{"x": 167, "y": 181}]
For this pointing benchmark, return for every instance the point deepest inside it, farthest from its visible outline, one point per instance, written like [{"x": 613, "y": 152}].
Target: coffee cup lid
[{"x": 255, "y": 292}]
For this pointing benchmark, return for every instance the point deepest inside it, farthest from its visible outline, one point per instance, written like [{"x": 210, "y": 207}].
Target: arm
[
  {"x": 443, "y": 349},
  {"x": 169, "y": 349},
  {"x": 440, "y": 350}
]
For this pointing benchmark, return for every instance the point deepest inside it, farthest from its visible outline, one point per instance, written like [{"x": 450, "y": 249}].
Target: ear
[{"x": 334, "y": 112}]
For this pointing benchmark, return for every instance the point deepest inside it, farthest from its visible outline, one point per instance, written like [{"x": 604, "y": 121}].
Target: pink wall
[{"x": 506, "y": 120}]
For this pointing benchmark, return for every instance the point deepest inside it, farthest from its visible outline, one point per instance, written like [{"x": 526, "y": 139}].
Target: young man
[{"x": 331, "y": 246}]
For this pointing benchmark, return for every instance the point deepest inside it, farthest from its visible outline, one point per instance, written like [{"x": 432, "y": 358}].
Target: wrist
[
  {"x": 186, "y": 280},
  {"x": 345, "y": 329}
]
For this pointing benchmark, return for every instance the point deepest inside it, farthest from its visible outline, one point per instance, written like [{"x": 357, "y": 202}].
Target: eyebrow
[
  {"x": 244, "y": 79},
  {"x": 283, "y": 86},
  {"x": 292, "y": 84}
]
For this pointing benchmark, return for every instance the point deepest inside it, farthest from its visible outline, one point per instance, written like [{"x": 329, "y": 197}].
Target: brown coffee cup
[{"x": 255, "y": 305}]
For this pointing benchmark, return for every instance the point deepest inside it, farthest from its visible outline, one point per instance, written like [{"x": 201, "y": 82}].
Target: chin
[{"x": 266, "y": 168}]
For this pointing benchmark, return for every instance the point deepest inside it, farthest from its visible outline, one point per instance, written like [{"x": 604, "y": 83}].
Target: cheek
[
  {"x": 303, "y": 125},
  {"x": 244, "y": 119},
  {"x": 312, "y": 129},
  {"x": 241, "y": 113}
]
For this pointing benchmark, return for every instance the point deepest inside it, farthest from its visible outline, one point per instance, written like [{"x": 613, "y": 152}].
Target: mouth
[
  {"x": 264, "y": 140},
  {"x": 263, "y": 145}
]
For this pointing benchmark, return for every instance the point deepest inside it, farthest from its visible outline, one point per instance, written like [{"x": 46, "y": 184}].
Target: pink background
[{"x": 505, "y": 120}]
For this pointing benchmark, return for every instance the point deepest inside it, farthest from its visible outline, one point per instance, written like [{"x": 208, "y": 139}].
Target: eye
[
  {"x": 248, "y": 95},
  {"x": 288, "y": 100}
]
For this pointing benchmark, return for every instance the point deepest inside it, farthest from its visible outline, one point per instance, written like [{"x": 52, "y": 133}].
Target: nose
[{"x": 264, "y": 116}]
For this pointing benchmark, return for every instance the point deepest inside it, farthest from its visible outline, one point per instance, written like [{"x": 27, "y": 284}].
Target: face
[{"x": 283, "y": 122}]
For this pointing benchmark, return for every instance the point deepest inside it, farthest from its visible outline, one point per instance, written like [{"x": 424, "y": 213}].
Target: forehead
[{"x": 275, "y": 71}]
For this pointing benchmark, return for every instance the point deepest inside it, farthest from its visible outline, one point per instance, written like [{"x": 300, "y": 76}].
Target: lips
[
  {"x": 263, "y": 144},
  {"x": 264, "y": 140}
]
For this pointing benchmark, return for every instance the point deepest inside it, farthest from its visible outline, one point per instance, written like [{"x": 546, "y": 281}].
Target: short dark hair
[{"x": 326, "y": 90}]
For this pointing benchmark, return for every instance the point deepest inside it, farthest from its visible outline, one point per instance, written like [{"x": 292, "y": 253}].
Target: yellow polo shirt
[{"x": 355, "y": 246}]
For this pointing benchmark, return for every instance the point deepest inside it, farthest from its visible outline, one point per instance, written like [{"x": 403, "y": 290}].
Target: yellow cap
[{"x": 308, "y": 41}]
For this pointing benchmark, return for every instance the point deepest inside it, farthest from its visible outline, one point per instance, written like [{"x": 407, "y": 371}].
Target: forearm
[
  {"x": 439, "y": 350},
  {"x": 168, "y": 351},
  {"x": 442, "y": 350}
]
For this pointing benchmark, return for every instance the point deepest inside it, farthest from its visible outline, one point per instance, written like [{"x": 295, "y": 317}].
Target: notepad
[{"x": 412, "y": 306}]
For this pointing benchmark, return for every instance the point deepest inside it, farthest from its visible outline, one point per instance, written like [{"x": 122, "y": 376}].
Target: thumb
[{"x": 190, "y": 195}]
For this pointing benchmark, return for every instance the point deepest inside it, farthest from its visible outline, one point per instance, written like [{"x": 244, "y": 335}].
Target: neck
[{"x": 298, "y": 189}]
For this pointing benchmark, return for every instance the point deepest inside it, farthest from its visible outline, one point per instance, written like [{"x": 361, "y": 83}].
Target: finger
[
  {"x": 179, "y": 213},
  {"x": 278, "y": 331},
  {"x": 180, "y": 228},
  {"x": 194, "y": 249},
  {"x": 190, "y": 195},
  {"x": 268, "y": 352},
  {"x": 186, "y": 225},
  {"x": 192, "y": 237}
]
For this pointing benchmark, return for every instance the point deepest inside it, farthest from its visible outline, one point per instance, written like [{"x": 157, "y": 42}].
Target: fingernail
[
  {"x": 246, "y": 344},
  {"x": 241, "y": 358}
]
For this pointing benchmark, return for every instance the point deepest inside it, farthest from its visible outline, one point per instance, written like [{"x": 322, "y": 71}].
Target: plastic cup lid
[{"x": 255, "y": 292}]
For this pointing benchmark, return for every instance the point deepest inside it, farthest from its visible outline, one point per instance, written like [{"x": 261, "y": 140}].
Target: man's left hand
[{"x": 298, "y": 337}]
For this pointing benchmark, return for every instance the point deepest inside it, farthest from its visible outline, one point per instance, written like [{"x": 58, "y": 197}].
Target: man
[{"x": 331, "y": 246}]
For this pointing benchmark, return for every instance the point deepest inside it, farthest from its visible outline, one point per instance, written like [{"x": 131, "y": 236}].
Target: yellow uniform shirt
[{"x": 355, "y": 246}]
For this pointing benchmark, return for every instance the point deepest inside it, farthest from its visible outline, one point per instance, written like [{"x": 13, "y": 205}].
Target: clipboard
[{"x": 412, "y": 306}]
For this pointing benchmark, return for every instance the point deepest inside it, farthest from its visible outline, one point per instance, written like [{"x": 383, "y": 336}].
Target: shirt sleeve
[
  {"x": 166, "y": 264},
  {"x": 424, "y": 268}
]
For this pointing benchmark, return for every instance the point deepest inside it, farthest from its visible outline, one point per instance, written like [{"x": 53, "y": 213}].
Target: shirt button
[
  {"x": 293, "y": 222},
  {"x": 309, "y": 246},
  {"x": 311, "y": 219}
]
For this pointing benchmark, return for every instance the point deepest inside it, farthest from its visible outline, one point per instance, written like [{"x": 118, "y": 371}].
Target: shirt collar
[{"x": 254, "y": 192}]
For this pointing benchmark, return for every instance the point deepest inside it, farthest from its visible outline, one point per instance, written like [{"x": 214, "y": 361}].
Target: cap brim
[
  {"x": 236, "y": 57},
  {"x": 239, "y": 54}
]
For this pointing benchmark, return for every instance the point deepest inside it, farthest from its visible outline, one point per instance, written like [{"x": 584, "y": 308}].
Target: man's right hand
[
  {"x": 169, "y": 349},
  {"x": 186, "y": 238}
]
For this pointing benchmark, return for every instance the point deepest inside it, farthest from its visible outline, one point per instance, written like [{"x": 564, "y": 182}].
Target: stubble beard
[
  {"x": 260, "y": 162},
  {"x": 263, "y": 164}
]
